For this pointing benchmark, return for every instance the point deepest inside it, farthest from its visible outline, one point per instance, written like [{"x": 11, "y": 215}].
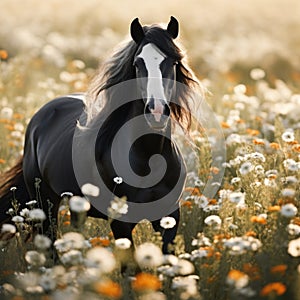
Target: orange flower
[
  {"x": 274, "y": 208},
  {"x": 186, "y": 203},
  {"x": 146, "y": 282},
  {"x": 235, "y": 275},
  {"x": 279, "y": 269},
  {"x": 193, "y": 190},
  {"x": 258, "y": 142},
  {"x": 252, "y": 131},
  {"x": 274, "y": 146},
  {"x": 99, "y": 241},
  {"x": 2, "y": 161},
  {"x": 214, "y": 170},
  {"x": 250, "y": 233},
  {"x": 3, "y": 54},
  {"x": 296, "y": 148},
  {"x": 212, "y": 201},
  {"x": 258, "y": 219},
  {"x": 225, "y": 125},
  {"x": 108, "y": 289},
  {"x": 276, "y": 288}
]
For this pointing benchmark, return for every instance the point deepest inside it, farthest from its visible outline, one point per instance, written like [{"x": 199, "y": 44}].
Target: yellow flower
[
  {"x": 146, "y": 282},
  {"x": 276, "y": 288},
  {"x": 108, "y": 289}
]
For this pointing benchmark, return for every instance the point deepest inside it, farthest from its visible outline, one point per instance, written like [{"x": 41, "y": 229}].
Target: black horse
[{"x": 89, "y": 123}]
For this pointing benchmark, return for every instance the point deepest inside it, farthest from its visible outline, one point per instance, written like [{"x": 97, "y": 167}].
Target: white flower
[
  {"x": 89, "y": 189},
  {"x": 201, "y": 241},
  {"x": 118, "y": 180},
  {"x": 288, "y": 210},
  {"x": 237, "y": 197},
  {"x": 183, "y": 267},
  {"x": 288, "y": 136},
  {"x": 257, "y": 74},
  {"x": 123, "y": 243},
  {"x": 293, "y": 229},
  {"x": 199, "y": 253},
  {"x": 239, "y": 281},
  {"x": 213, "y": 220},
  {"x": 75, "y": 240},
  {"x": 17, "y": 219},
  {"x": 294, "y": 248},
  {"x": 148, "y": 255},
  {"x": 24, "y": 213},
  {"x": 201, "y": 201},
  {"x": 35, "y": 258},
  {"x": 118, "y": 207},
  {"x": 246, "y": 168},
  {"x": 187, "y": 284},
  {"x": 6, "y": 113},
  {"x": 72, "y": 257},
  {"x": 42, "y": 242},
  {"x": 288, "y": 192},
  {"x": 66, "y": 194},
  {"x": 100, "y": 258},
  {"x": 291, "y": 165},
  {"x": 31, "y": 203},
  {"x": 235, "y": 180},
  {"x": 8, "y": 228},
  {"x": 167, "y": 222},
  {"x": 37, "y": 214},
  {"x": 79, "y": 204},
  {"x": 257, "y": 156}
]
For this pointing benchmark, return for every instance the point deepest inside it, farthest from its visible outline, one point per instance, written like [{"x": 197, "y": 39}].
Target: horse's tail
[{"x": 12, "y": 178}]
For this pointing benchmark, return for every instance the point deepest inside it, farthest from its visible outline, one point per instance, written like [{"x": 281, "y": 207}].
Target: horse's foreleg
[
  {"x": 124, "y": 230},
  {"x": 168, "y": 234}
]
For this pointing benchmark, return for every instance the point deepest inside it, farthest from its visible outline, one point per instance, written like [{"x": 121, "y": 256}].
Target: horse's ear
[
  {"x": 173, "y": 28},
  {"x": 136, "y": 31}
]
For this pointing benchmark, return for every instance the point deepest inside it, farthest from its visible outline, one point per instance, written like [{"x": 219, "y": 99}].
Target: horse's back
[{"x": 48, "y": 143}]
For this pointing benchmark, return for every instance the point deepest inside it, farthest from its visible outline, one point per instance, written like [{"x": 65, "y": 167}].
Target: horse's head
[{"x": 155, "y": 73}]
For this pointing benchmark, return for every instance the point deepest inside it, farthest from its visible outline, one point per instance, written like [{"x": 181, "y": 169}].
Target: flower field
[{"x": 244, "y": 243}]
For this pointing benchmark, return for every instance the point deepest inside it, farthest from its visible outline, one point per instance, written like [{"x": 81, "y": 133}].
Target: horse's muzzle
[{"x": 157, "y": 114}]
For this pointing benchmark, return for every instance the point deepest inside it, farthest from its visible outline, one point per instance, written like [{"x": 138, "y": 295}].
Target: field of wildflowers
[{"x": 242, "y": 244}]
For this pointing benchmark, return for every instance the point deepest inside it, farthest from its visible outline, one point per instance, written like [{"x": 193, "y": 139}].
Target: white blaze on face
[{"x": 152, "y": 58}]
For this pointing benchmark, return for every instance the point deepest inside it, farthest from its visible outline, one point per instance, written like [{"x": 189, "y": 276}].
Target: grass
[{"x": 243, "y": 243}]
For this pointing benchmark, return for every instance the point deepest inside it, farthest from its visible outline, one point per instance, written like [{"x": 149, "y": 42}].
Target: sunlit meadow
[{"x": 242, "y": 244}]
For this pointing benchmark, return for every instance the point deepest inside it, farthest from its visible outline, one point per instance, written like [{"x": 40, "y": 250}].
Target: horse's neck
[{"x": 144, "y": 139}]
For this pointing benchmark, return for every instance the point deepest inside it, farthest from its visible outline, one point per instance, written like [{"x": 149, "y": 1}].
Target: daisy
[
  {"x": 118, "y": 180},
  {"x": 289, "y": 210},
  {"x": 148, "y": 255},
  {"x": 89, "y": 189},
  {"x": 123, "y": 243},
  {"x": 288, "y": 136},
  {"x": 35, "y": 258},
  {"x": 246, "y": 168},
  {"x": 237, "y": 197},
  {"x": 294, "y": 248},
  {"x": 42, "y": 242},
  {"x": 79, "y": 204},
  {"x": 213, "y": 220},
  {"x": 37, "y": 214},
  {"x": 167, "y": 222},
  {"x": 100, "y": 258}
]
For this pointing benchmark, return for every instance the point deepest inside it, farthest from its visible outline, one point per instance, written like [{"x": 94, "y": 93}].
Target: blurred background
[{"x": 220, "y": 36}]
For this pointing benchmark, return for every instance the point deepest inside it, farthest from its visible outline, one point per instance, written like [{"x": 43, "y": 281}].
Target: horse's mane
[{"x": 119, "y": 68}]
